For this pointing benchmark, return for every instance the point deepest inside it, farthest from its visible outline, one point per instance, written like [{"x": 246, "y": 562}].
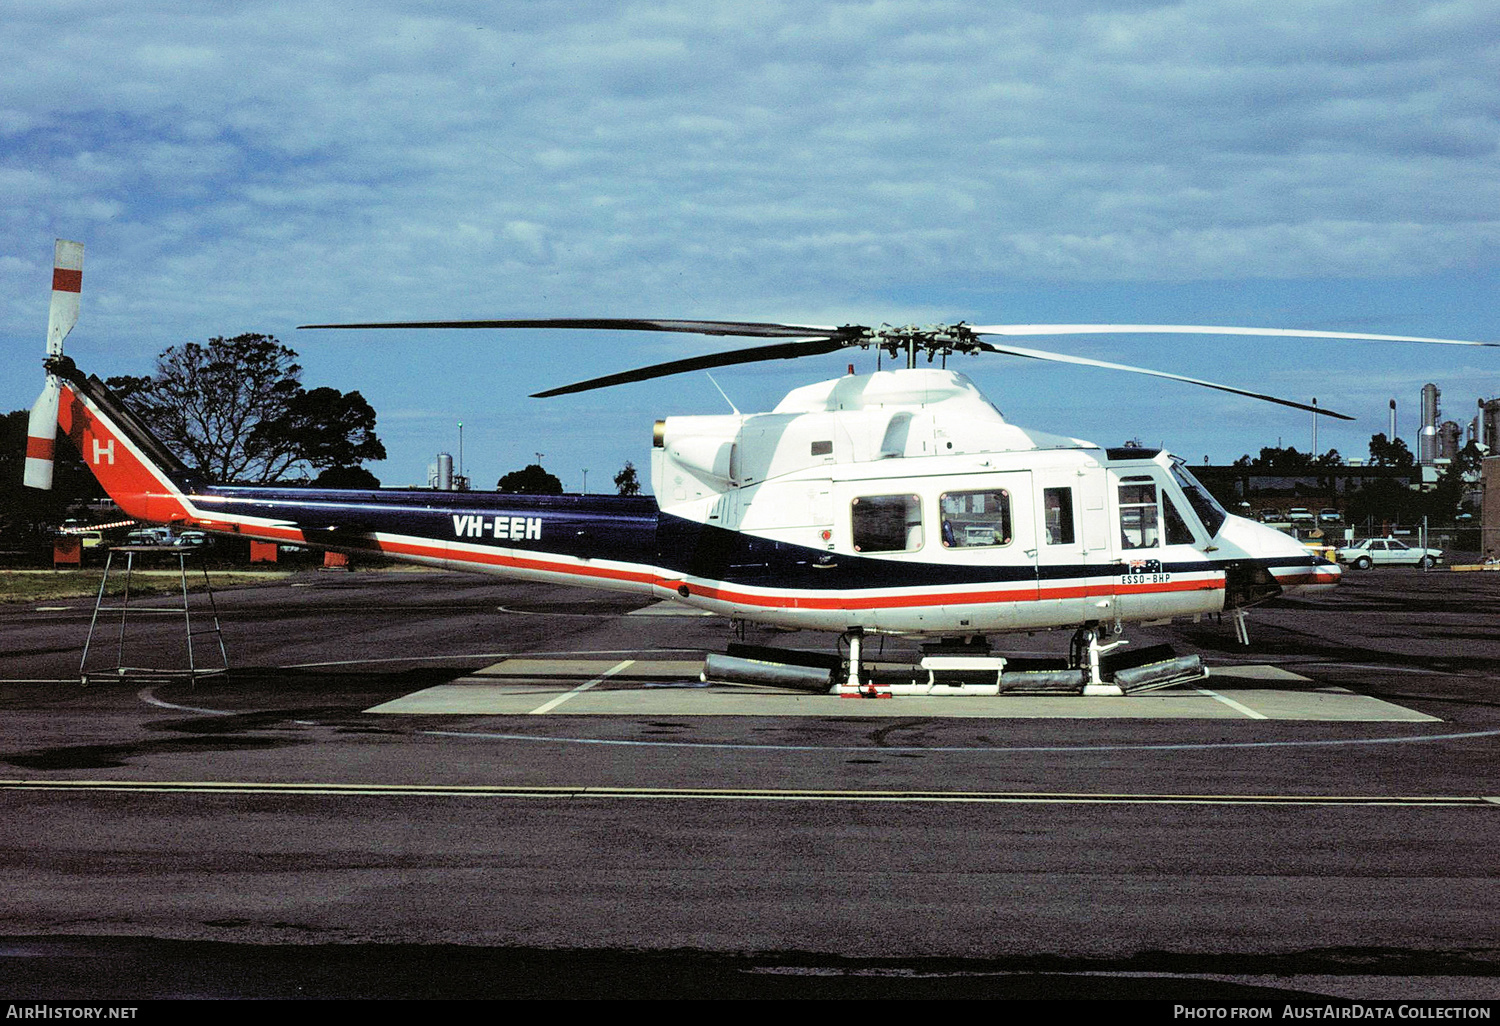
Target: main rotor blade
[
  {"x": 752, "y": 329},
  {"x": 1016, "y": 330},
  {"x": 1038, "y": 354},
  {"x": 779, "y": 351}
]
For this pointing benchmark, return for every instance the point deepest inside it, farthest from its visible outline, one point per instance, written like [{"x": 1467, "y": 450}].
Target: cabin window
[
  {"x": 887, "y": 523},
  {"x": 1057, "y": 505},
  {"x": 1138, "y": 513},
  {"x": 972, "y": 519}
]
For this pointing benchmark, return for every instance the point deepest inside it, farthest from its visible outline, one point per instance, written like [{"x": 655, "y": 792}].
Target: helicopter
[{"x": 898, "y": 502}]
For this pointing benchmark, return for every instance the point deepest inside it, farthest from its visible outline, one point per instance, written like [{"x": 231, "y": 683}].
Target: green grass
[{"x": 46, "y": 585}]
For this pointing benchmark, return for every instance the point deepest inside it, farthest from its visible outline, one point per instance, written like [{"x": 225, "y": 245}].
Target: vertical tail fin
[{"x": 41, "y": 430}]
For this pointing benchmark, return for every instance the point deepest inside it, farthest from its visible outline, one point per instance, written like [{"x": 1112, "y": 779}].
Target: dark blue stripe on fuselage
[
  {"x": 608, "y": 526},
  {"x": 632, "y": 529}
]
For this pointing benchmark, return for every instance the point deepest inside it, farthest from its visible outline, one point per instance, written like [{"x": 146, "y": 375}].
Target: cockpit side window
[
  {"x": 1205, "y": 505},
  {"x": 1178, "y": 532}
]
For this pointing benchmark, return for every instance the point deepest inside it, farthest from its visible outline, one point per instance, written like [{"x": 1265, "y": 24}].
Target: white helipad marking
[
  {"x": 1233, "y": 704},
  {"x": 553, "y": 669},
  {"x": 397, "y": 659},
  {"x": 560, "y": 699},
  {"x": 1258, "y": 671}
]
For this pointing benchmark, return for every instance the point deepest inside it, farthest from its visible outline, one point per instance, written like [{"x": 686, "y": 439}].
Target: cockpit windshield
[{"x": 1205, "y": 505}]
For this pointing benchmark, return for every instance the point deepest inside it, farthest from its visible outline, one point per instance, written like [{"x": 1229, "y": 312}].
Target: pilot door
[{"x": 1158, "y": 555}]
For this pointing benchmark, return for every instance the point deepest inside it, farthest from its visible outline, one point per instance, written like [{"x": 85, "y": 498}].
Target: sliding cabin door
[{"x": 1076, "y": 568}]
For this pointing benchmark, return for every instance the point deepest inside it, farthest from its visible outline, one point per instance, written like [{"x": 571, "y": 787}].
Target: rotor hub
[{"x": 933, "y": 339}]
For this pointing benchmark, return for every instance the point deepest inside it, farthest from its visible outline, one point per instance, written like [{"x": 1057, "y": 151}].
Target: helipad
[{"x": 644, "y": 687}]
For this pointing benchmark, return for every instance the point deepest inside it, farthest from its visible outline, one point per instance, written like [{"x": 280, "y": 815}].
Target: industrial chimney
[{"x": 1427, "y": 442}]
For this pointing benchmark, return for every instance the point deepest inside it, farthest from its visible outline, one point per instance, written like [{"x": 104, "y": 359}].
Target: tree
[
  {"x": 1448, "y": 494},
  {"x": 627, "y": 481},
  {"x": 236, "y": 410},
  {"x": 1286, "y": 460},
  {"x": 346, "y": 477},
  {"x": 531, "y": 481},
  {"x": 324, "y": 429},
  {"x": 1386, "y": 452}
]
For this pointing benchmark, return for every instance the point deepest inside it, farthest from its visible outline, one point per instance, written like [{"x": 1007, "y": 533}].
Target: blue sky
[{"x": 254, "y": 166}]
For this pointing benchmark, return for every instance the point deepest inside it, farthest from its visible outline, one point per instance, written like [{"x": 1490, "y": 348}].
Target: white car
[
  {"x": 1388, "y": 552},
  {"x": 149, "y": 536}
]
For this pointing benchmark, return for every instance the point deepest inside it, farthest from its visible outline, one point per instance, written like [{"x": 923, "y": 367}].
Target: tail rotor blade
[
  {"x": 41, "y": 429},
  {"x": 41, "y": 436},
  {"x": 67, "y": 284}
]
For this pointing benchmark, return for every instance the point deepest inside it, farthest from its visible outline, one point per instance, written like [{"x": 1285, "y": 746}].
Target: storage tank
[
  {"x": 1450, "y": 440},
  {"x": 1488, "y": 426}
]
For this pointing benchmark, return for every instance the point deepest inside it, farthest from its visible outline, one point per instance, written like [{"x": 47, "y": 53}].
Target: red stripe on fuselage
[{"x": 1015, "y": 593}]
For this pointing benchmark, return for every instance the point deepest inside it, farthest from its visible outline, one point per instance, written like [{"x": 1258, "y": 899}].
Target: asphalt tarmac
[{"x": 434, "y": 785}]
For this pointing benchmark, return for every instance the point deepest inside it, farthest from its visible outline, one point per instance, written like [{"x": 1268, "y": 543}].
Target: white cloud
[{"x": 260, "y": 165}]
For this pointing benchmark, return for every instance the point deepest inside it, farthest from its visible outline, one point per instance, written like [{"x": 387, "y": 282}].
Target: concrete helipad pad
[{"x": 584, "y": 687}]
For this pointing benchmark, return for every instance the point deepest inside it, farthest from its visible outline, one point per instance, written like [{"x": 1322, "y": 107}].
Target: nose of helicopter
[
  {"x": 1300, "y": 572},
  {"x": 1318, "y": 576}
]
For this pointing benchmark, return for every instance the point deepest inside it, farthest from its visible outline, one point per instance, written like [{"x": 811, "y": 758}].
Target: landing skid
[{"x": 1094, "y": 668}]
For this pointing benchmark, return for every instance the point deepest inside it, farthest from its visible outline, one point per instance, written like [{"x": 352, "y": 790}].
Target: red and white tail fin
[{"x": 41, "y": 430}]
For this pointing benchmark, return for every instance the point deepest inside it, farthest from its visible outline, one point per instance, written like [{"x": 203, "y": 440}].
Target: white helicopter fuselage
[{"x": 903, "y": 502}]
